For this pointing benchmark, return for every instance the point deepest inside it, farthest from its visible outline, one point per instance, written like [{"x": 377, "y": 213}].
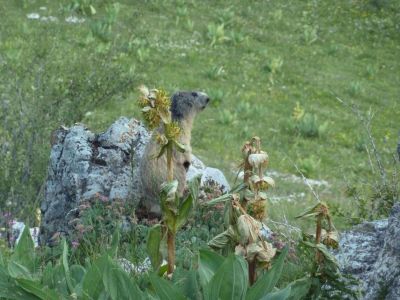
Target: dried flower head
[
  {"x": 258, "y": 160},
  {"x": 257, "y": 209},
  {"x": 262, "y": 252},
  {"x": 155, "y": 106},
  {"x": 330, "y": 238},
  {"x": 248, "y": 229},
  {"x": 161, "y": 139}
]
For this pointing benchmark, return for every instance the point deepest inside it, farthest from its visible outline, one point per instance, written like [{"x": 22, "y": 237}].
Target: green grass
[{"x": 266, "y": 57}]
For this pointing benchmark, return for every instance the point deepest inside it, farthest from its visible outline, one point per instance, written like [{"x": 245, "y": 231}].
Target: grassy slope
[{"x": 165, "y": 43}]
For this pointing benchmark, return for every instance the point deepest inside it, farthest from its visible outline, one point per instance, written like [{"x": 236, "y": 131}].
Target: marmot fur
[{"x": 152, "y": 171}]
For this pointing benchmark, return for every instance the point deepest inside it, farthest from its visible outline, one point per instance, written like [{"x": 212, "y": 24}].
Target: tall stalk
[
  {"x": 170, "y": 234},
  {"x": 318, "y": 256}
]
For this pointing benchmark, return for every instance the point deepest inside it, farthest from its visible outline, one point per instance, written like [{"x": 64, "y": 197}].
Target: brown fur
[{"x": 153, "y": 171}]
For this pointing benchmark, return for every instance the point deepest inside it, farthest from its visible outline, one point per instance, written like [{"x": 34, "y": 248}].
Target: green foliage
[
  {"x": 308, "y": 126},
  {"x": 216, "y": 33},
  {"x": 230, "y": 281},
  {"x": 50, "y": 86},
  {"x": 103, "y": 278},
  {"x": 85, "y": 7},
  {"x": 98, "y": 219},
  {"x": 102, "y": 28},
  {"x": 308, "y": 166},
  {"x": 267, "y": 282},
  {"x": 60, "y": 73},
  {"x": 153, "y": 246}
]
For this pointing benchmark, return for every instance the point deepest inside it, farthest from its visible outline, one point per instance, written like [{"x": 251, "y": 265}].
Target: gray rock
[
  {"x": 17, "y": 229},
  {"x": 84, "y": 166},
  {"x": 371, "y": 253}
]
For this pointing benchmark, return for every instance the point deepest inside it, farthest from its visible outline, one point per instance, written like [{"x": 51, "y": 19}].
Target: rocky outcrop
[
  {"x": 84, "y": 165},
  {"x": 371, "y": 253}
]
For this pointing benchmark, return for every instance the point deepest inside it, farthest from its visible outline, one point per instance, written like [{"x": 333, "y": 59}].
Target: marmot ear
[{"x": 194, "y": 94}]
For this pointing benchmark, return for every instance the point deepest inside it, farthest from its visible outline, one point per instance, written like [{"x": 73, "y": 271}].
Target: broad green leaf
[
  {"x": 47, "y": 276},
  {"x": 184, "y": 211},
  {"x": 186, "y": 281},
  {"x": 66, "y": 267},
  {"x": 77, "y": 275},
  {"x": 299, "y": 288},
  {"x": 209, "y": 262},
  {"x": 115, "y": 242},
  {"x": 220, "y": 199},
  {"x": 24, "y": 253},
  {"x": 194, "y": 188},
  {"x": 327, "y": 255},
  {"x": 168, "y": 201},
  {"x": 165, "y": 289},
  {"x": 311, "y": 211},
  {"x": 267, "y": 282},
  {"x": 240, "y": 187},
  {"x": 93, "y": 285},
  {"x": 60, "y": 283},
  {"x": 168, "y": 190},
  {"x": 278, "y": 295},
  {"x": 223, "y": 239},
  {"x": 325, "y": 252},
  {"x": 18, "y": 271},
  {"x": 118, "y": 284},
  {"x": 153, "y": 246},
  {"x": 9, "y": 288},
  {"x": 37, "y": 289},
  {"x": 163, "y": 270},
  {"x": 231, "y": 279}
]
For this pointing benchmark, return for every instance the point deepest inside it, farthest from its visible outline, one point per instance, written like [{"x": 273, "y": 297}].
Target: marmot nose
[{"x": 207, "y": 99}]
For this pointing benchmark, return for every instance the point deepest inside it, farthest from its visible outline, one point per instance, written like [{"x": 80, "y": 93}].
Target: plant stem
[
  {"x": 170, "y": 234},
  {"x": 170, "y": 166},
  {"x": 318, "y": 237},
  {"x": 252, "y": 272},
  {"x": 171, "y": 251}
]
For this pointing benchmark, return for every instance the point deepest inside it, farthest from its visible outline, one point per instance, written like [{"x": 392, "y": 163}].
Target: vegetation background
[{"x": 272, "y": 69}]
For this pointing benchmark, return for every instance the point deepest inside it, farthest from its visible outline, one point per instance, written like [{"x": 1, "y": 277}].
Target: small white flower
[{"x": 74, "y": 20}]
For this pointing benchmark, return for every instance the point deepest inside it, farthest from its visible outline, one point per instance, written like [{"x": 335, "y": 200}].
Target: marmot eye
[
  {"x": 194, "y": 94},
  {"x": 186, "y": 165}
]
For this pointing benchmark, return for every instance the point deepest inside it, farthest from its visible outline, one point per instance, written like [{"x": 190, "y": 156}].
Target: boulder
[
  {"x": 84, "y": 166},
  {"x": 371, "y": 253}
]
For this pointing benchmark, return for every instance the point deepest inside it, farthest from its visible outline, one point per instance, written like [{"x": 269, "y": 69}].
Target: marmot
[{"x": 152, "y": 171}]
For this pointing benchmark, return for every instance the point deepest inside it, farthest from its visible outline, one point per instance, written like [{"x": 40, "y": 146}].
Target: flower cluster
[
  {"x": 255, "y": 163},
  {"x": 155, "y": 106}
]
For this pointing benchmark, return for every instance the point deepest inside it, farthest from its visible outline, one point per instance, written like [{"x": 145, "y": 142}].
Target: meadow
[{"x": 286, "y": 71}]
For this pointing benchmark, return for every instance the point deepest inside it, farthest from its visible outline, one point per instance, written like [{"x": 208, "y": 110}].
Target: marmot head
[{"x": 187, "y": 104}]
